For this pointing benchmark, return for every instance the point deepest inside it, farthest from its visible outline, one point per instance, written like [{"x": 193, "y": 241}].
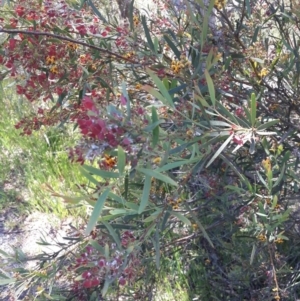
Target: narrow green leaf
[
  {"x": 220, "y": 123},
  {"x": 147, "y": 34},
  {"x": 204, "y": 29},
  {"x": 269, "y": 175},
  {"x": 206, "y": 22},
  {"x": 253, "y": 254},
  {"x": 175, "y": 164},
  {"x": 101, "y": 173},
  {"x": 155, "y": 132},
  {"x": 202, "y": 101},
  {"x": 156, "y": 94},
  {"x": 211, "y": 87},
  {"x": 165, "y": 219},
  {"x": 257, "y": 29},
  {"x": 150, "y": 218},
  {"x": 132, "y": 206},
  {"x": 125, "y": 94},
  {"x": 145, "y": 195},
  {"x": 286, "y": 156},
  {"x": 96, "y": 245},
  {"x": 248, "y": 114},
  {"x": 176, "y": 89},
  {"x": 274, "y": 202},
  {"x": 176, "y": 51},
  {"x": 258, "y": 60},
  {"x": 157, "y": 175},
  {"x": 116, "y": 198},
  {"x": 157, "y": 247},
  {"x": 96, "y": 11},
  {"x": 235, "y": 189},
  {"x": 113, "y": 233},
  {"x": 262, "y": 180},
  {"x": 126, "y": 186},
  {"x": 263, "y": 133},
  {"x": 121, "y": 160},
  {"x": 130, "y": 15},
  {"x": 152, "y": 126},
  {"x": 5, "y": 254},
  {"x": 278, "y": 181},
  {"x": 106, "y": 285},
  {"x": 96, "y": 212},
  {"x": 267, "y": 124},
  {"x": 149, "y": 231},
  {"x": 219, "y": 151},
  {"x": 125, "y": 212},
  {"x": 248, "y": 8},
  {"x": 253, "y": 109},
  {"x": 174, "y": 83},
  {"x": 4, "y": 281},
  {"x": 181, "y": 217},
  {"x": 88, "y": 176},
  {"x": 156, "y": 43},
  {"x": 161, "y": 88},
  {"x": 166, "y": 83},
  {"x": 252, "y": 146},
  {"x": 200, "y": 226},
  {"x": 262, "y": 215}
]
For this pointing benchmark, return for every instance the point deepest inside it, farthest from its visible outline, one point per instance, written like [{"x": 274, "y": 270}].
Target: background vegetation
[{"x": 175, "y": 134}]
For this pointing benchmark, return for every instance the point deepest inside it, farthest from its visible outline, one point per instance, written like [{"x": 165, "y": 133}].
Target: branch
[{"x": 48, "y": 34}]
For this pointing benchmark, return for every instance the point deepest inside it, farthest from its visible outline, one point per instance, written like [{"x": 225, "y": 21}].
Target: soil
[{"x": 20, "y": 231}]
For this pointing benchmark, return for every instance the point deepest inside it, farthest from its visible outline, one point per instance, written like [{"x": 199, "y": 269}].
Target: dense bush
[{"x": 189, "y": 139}]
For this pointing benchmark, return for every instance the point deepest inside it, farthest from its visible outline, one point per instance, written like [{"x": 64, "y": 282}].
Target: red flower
[
  {"x": 111, "y": 139},
  {"x": 12, "y": 44},
  {"x": 238, "y": 140},
  {"x": 32, "y": 16},
  {"x": 122, "y": 281},
  {"x": 13, "y": 23},
  {"x": 91, "y": 283},
  {"x": 10, "y": 63},
  {"x": 40, "y": 111},
  {"x": 140, "y": 111},
  {"x": 161, "y": 73},
  {"x": 86, "y": 274},
  {"x": 52, "y": 50},
  {"x": 59, "y": 90},
  {"x": 84, "y": 125},
  {"x": 101, "y": 263},
  {"x": 81, "y": 29},
  {"x": 20, "y": 11},
  {"x": 20, "y": 90},
  {"x": 88, "y": 104},
  {"x": 93, "y": 29}
]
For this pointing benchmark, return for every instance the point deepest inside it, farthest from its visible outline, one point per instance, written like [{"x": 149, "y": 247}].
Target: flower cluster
[
  {"x": 219, "y": 4},
  {"x": 174, "y": 202},
  {"x": 136, "y": 20},
  {"x": 95, "y": 267},
  {"x": 108, "y": 162},
  {"x": 262, "y": 237},
  {"x": 178, "y": 65}
]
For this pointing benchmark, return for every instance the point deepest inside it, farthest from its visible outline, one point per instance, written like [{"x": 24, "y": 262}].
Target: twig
[{"x": 63, "y": 38}]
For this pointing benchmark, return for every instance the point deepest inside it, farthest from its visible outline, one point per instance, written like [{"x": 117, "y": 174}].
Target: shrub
[{"x": 189, "y": 126}]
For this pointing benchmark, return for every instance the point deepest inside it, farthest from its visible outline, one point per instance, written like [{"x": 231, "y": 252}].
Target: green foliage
[{"x": 206, "y": 191}]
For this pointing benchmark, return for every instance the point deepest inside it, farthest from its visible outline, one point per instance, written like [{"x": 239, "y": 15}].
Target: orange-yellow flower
[
  {"x": 54, "y": 70},
  {"x": 50, "y": 60}
]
